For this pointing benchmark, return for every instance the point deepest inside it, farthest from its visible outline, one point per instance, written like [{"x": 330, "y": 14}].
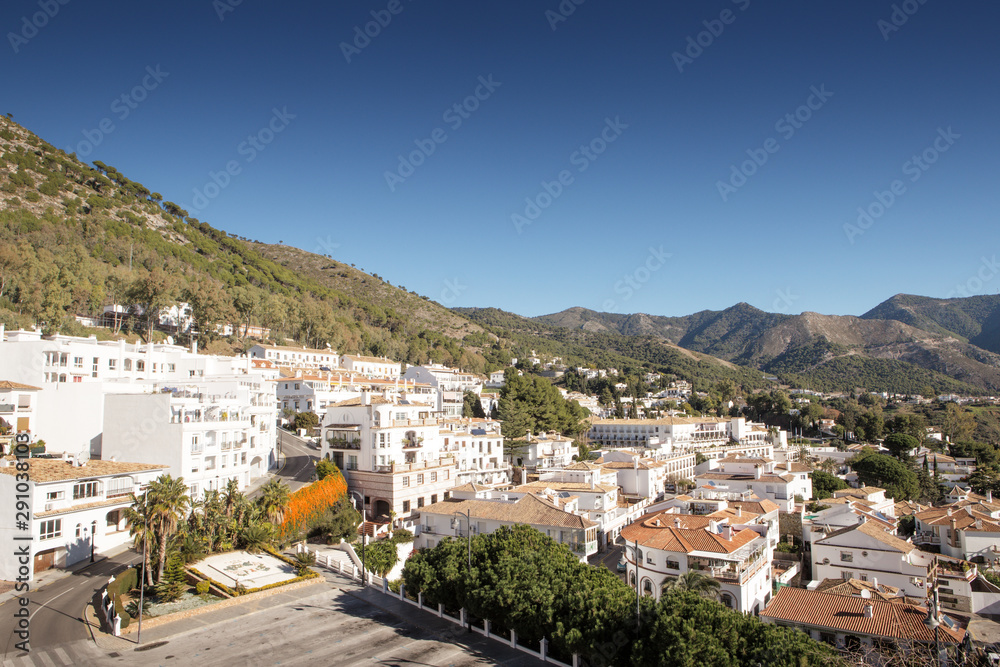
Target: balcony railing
[
  {"x": 343, "y": 443},
  {"x": 926, "y": 537}
]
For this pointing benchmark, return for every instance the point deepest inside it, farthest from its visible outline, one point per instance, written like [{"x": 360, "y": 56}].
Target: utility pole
[{"x": 142, "y": 586}]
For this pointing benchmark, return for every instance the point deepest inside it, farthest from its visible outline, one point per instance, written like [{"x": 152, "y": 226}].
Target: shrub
[
  {"x": 402, "y": 536},
  {"x": 202, "y": 588}
]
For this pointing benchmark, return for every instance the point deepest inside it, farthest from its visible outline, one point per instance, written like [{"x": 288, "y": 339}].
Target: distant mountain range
[{"x": 905, "y": 335}]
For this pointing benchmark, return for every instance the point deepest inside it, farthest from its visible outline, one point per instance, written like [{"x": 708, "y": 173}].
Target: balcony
[
  {"x": 412, "y": 443},
  {"x": 925, "y": 537},
  {"x": 343, "y": 443}
]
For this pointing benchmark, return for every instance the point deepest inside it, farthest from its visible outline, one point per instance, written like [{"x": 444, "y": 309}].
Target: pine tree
[{"x": 174, "y": 582}]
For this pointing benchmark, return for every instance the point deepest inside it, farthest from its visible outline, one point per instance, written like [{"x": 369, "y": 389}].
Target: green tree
[
  {"x": 958, "y": 423},
  {"x": 824, "y": 484},
  {"x": 305, "y": 420},
  {"x": 380, "y": 557},
  {"x": 472, "y": 406},
  {"x": 325, "y": 468},
  {"x": 166, "y": 504},
  {"x": 173, "y": 582},
  {"x": 151, "y": 293},
  {"x": 897, "y": 478},
  {"x": 696, "y": 582},
  {"x": 900, "y": 445},
  {"x": 273, "y": 500}
]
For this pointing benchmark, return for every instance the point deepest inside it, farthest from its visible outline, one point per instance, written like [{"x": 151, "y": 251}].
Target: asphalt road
[
  {"x": 57, "y": 608},
  {"x": 300, "y": 461}
]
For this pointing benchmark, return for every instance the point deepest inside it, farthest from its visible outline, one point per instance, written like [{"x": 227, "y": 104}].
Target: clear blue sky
[{"x": 777, "y": 241}]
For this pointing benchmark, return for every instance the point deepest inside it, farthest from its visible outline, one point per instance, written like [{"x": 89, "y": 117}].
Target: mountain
[
  {"x": 901, "y": 346},
  {"x": 975, "y": 319}
]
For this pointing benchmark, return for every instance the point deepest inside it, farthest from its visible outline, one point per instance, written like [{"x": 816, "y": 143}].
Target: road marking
[
  {"x": 62, "y": 656},
  {"x": 46, "y": 659},
  {"x": 9, "y": 663},
  {"x": 45, "y": 603},
  {"x": 26, "y": 661}
]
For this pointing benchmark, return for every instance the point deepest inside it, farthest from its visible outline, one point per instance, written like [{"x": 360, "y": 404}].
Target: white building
[
  {"x": 450, "y": 383},
  {"x": 377, "y": 367},
  {"x": 398, "y": 455},
  {"x": 207, "y": 432},
  {"x": 867, "y": 551},
  {"x": 714, "y": 437},
  {"x": 648, "y": 475},
  {"x": 758, "y": 475},
  {"x": 545, "y": 450},
  {"x": 966, "y": 531},
  {"x": 17, "y": 408},
  {"x": 733, "y": 551},
  {"x": 76, "y": 506},
  {"x": 289, "y": 355},
  {"x": 450, "y": 519}
]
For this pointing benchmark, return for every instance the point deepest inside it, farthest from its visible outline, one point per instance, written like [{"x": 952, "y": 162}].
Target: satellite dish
[{"x": 170, "y": 340}]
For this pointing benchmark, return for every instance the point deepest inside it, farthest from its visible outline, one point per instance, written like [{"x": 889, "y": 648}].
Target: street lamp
[
  {"x": 364, "y": 534},
  {"x": 142, "y": 585},
  {"x": 93, "y": 534},
  {"x": 468, "y": 518}
]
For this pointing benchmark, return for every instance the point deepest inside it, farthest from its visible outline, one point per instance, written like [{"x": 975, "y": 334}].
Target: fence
[{"x": 381, "y": 584}]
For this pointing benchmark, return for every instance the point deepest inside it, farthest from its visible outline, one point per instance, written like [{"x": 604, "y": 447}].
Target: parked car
[{"x": 622, "y": 564}]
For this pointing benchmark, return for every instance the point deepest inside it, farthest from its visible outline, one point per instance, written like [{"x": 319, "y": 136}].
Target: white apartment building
[
  {"x": 451, "y": 518},
  {"x": 477, "y": 447},
  {"x": 315, "y": 392},
  {"x": 451, "y": 385},
  {"x": 713, "y": 436},
  {"x": 545, "y": 450},
  {"x": 393, "y": 453},
  {"x": 207, "y": 432},
  {"x": 948, "y": 468},
  {"x": 868, "y": 551},
  {"x": 76, "y": 508},
  {"x": 289, "y": 355},
  {"x": 648, "y": 474},
  {"x": 496, "y": 379},
  {"x": 966, "y": 531},
  {"x": 733, "y": 551},
  {"x": 17, "y": 409},
  {"x": 758, "y": 475},
  {"x": 373, "y": 367},
  {"x": 75, "y": 374},
  {"x": 703, "y": 502}
]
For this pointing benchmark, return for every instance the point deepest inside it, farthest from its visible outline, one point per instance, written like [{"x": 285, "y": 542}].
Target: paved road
[
  {"x": 609, "y": 559},
  {"x": 57, "y": 608},
  {"x": 300, "y": 461}
]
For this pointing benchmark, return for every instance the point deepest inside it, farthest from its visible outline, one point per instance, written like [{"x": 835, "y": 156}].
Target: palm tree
[
  {"x": 274, "y": 497},
  {"x": 232, "y": 495},
  {"x": 696, "y": 582},
  {"x": 141, "y": 531},
  {"x": 167, "y": 500},
  {"x": 256, "y": 536}
]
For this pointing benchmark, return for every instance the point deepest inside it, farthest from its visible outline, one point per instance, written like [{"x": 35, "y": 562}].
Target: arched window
[
  {"x": 727, "y": 600},
  {"x": 647, "y": 586},
  {"x": 128, "y": 364},
  {"x": 631, "y": 579},
  {"x": 78, "y": 530}
]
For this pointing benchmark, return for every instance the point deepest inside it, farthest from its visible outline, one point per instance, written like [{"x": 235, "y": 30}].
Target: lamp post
[
  {"x": 364, "y": 535},
  {"x": 93, "y": 533},
  {"x": 468, "y": 520},
  {"x": 638, "y": 617},
  {"x": 142, "y": 585}
]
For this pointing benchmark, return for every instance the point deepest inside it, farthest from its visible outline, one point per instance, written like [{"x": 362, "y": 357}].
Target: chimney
[
  {"x": 194, "y": 345},
  {"x": 989, "y": 492},
  {"x": 757, "y": 472},
  {"x": 677, "y": 523},
  {"x": 739, "y": 511},
  {"x": 713, "y": 527},
  {"x": 727, "y": 532},
  {"x": 869, "y": 610},
  {"x": 875, "y": 582},
  {"x": 593, "y": 481}
]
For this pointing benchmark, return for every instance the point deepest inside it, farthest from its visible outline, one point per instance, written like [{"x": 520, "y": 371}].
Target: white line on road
[
  {"x": 46, "y": 659},
  {"x": 62, "y": 656},
  {"x": 42, "y": 606}
]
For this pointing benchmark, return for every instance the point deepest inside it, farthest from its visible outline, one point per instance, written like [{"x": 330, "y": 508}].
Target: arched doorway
[
  {"x": 381, "y": 509},
  {"x": 255, "y": 467}
]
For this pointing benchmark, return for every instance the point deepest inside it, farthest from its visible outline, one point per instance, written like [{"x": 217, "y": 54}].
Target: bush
[
  {"x": 202, "y": 588},
  {"x": 402, "y": 536}
]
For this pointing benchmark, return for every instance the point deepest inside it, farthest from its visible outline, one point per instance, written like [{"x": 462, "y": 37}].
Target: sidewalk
[{"x": 52, "y": 575}]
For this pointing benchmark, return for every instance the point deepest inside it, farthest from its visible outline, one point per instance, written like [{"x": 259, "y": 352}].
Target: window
[
  {"x": 55, "y": 495},
  {"x": 434, "y": 477},
  {"x": 673, "y": 565},
  {"x": 194, "y": 491},
  {"x": 243, "y": 458},
  {"x": 434, "y": 499},
  {"x": 77, "y": 362},
  {"x": 406, "y": 506},
  {"x": 420, "y": 478},
  {"x": 79, "y": 529},
  {"x": 49, "y": 529},
  {"x": 209, "y": 463},
  {"x": 406, "y": 480},
  {"x": 85, "y": 490},
  {"x": 420, "y": 501},
  {"x": 171, "y": 367},
  {"x": 128, "y": 364},
  {"x": 140, "y": 365},
  {"x": 846, "y": 557},
  {"x": 112, "y": 364},
  {"x": 352, "y": 462},
  {"x": 649, "y": 558}
]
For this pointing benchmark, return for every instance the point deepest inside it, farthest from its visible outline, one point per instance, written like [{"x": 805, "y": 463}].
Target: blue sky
[{"x": 597, "y": 158}]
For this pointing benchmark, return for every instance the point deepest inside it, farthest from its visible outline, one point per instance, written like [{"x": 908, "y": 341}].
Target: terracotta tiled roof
[
  {"x": 965, "y": 518},
  {"x": 760, "y": 506},
  {"x": 794, "y": 466},
  {"x": 372, "y": 360},
  {"x": 846, "y": 613},
  {"x": 357, "y": 401},
  {"x": 7, "y": 384},
  {"x": 529, "y": 509},
  {"x": 855, "y": 586},
  {"x": 746, "y": 477},
  {"x": 862, "y": 491},
  {"x": 57, "y": 470},
  {"x": 691, "y": 534},
  {"x": 576, "y": 487},
  {"x": 583, "y": 465},
  {"x": 873, "y": 529}
]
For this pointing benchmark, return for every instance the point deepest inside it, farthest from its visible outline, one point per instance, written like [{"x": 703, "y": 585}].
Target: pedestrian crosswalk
[{"x": 58, "y": 656}]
